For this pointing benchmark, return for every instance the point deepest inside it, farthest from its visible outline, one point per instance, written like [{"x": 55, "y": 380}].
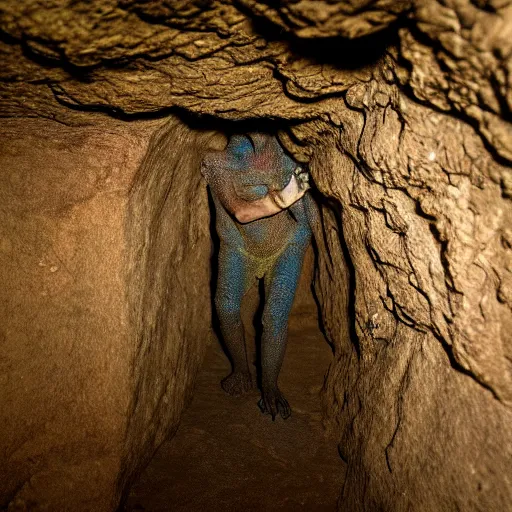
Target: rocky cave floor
[{"x": 228, "y": 456}]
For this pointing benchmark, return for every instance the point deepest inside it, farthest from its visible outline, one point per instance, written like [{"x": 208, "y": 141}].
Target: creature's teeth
[{"x": 297, "y": 170}]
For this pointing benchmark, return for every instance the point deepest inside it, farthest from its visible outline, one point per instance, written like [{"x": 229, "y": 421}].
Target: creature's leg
[
  {"x": 280, "y": 285},
  {"x": 233, "y": 282}
]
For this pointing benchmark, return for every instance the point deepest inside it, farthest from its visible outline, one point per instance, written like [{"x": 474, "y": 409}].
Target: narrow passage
[{"x": 227, "y": 456}]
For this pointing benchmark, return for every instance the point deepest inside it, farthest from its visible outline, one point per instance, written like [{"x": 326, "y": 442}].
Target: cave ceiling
[{"x": 290, "y": 60}]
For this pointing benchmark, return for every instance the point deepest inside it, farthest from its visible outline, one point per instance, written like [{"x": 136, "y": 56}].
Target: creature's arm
[
  {"x": 225, "y": 225},
  {"x": 251, "y": 192},
  {"x": 253, "y": 178},
  {"x": 274, "y": 201},
  {"x": 252, "y": 202},
  {"x": 253, "y": 185},
  {"x": 233, "y": 197}
]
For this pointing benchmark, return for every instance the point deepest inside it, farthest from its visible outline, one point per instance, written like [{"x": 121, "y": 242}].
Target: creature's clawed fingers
[
  {"x": 284, "y": 408},
  {"x": 274, "y": 403}
]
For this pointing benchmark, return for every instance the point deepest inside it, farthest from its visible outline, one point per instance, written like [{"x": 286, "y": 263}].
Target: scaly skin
[{"x": 247, "y": 176}]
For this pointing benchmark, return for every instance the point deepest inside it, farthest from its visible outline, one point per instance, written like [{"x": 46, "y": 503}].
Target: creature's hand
[
  {"x": 302, "y": 177},
  {"x": 294, "y": 190}
]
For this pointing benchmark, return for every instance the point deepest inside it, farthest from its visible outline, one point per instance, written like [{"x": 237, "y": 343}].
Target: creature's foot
[
  {"x": 273, "y": 402},
  {"x": 237, "y": 383}
]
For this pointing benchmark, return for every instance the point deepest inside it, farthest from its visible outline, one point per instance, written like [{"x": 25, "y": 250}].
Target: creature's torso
[{"x": 264, "y": 237}]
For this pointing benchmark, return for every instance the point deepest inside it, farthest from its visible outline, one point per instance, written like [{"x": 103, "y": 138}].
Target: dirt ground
[{"x": 227, "y": 456}]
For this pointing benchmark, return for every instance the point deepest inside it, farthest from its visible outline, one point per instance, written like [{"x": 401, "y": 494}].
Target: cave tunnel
[
  {"x": 234, "y": 437},
  {"x": 398, "y": 368}
]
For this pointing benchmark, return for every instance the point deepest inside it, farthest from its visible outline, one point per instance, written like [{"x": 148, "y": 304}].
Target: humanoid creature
[{"x": 264, "y": 219}]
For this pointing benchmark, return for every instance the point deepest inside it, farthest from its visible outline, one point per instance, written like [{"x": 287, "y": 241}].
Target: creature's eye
[{"x": 240, "y": 146}]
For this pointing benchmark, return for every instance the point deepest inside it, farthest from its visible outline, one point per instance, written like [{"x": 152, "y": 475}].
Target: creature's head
[
  {"x": 253, "y": 177},
  {"x": 254, "y": 154}
]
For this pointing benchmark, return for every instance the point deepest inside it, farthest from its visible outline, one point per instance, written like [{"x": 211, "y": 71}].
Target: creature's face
[{"x": 256, "y": 159}]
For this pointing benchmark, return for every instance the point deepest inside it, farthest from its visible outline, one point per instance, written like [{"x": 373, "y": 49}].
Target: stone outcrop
[
  {"x": 402, "y": 110},
  {"x": 212, "y": 58},
  {"x": 311, "y": 19}
]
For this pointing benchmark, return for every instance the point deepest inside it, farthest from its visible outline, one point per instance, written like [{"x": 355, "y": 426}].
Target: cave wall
[
  {"x": 420, "y": 389},
  {"x": 65, "y": 332},
  {"x": 402, "y": 110},
  {"x": 168, "y": 226},
  {"x": 91, "y": 227}
]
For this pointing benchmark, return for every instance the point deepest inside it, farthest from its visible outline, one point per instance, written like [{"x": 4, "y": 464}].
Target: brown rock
[
  {"x": 428, "y": 317},
  {"x": 311, "y": 19},
  {"x": 88, "y": 235},
  {"x": 407, "y": 134}
]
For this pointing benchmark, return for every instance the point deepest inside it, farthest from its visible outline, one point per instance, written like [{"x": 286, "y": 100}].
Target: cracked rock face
[{"x": 402, "y": 110}]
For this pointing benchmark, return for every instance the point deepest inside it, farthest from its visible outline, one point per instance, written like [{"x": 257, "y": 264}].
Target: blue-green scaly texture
[{"x": 270, "y": 248}]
